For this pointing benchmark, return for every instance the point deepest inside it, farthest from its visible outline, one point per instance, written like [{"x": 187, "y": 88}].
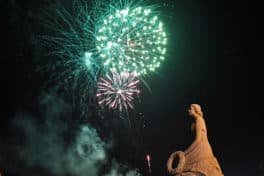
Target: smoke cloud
[{"x": 53, "y": 145}]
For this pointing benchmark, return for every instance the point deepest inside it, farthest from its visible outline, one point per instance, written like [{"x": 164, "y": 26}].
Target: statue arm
[
  {"x": 200, "y": 128},
  {"x": 180, "y": 167}
]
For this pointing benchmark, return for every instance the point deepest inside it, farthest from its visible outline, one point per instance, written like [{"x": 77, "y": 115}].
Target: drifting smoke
[
  {"x": 119, "y": 170},
  {"x": 49, "y": 146}
]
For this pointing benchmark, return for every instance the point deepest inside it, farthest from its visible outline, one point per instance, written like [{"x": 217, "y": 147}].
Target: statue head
[{"x": 195, "y": 111}]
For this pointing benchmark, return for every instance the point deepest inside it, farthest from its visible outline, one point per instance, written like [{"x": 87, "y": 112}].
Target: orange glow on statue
[{"x": 198, "y": 159}]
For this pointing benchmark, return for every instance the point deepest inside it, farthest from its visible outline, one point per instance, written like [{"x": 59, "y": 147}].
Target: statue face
[{"x": 194, "y": 110}]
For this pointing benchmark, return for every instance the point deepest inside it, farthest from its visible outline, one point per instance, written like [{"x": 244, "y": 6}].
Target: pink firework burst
[{"x": 117, "y": 90}]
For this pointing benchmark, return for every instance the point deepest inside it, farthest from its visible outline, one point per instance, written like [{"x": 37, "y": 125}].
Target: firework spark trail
[
  {"x": 148, "y": 160},
  {"x": 72, "y": 65},
  {"x": 117, "y": 90}
]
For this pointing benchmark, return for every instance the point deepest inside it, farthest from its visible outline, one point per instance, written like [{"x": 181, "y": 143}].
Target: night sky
[{"x": 207, "y": 63}]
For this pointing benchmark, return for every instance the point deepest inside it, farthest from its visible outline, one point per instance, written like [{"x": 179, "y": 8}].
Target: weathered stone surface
[{"x": 198, "y": 159}]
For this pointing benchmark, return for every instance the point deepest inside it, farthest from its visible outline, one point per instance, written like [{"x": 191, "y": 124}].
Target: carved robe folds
[{"x": 198, "y": 159}]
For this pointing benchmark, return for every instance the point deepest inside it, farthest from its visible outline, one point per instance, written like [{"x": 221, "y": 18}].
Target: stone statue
[{"x": 198, "y": 159}]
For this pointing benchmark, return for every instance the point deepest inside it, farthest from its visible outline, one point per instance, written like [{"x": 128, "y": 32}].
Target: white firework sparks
[{"x": 117, "y": 90}]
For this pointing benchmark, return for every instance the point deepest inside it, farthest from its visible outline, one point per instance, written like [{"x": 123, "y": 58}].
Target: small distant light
[
  {"x": 148, "y": 157},
  {"x": 87, "y": 55},
  {"x": 87, "y": 58},
  {"x": 119, "y": 91}
]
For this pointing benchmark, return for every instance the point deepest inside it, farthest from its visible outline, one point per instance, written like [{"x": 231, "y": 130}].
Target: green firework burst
[
  {"x": 85, "y": 40},
  {"x": 131, "y": 39}
]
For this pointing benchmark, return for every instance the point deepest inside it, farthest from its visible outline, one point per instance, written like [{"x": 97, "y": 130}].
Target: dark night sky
[{"x": 207, "y": 63}]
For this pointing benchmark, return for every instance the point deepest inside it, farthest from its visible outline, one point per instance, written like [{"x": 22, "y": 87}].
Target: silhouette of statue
[{"x": 198, "y": 159}]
